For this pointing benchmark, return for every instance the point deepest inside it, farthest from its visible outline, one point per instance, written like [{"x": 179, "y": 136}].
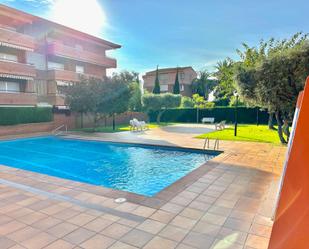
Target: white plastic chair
[{"x": 220, "y": 126}]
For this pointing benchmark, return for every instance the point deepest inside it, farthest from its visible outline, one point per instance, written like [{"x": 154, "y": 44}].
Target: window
[
  {"x": 9, "y": 86},
  {"x": 163, "y": 78},
  {"x": 38, "y": 60},
  {"x": 182, "y": 75},
  {"x": 164, "y": 88},
  {"x": 2, "y": 86},
  {"x": 79, "y": 69},
  {"x": 8, "y": 57},
  {"x": 55, "y": 65}
]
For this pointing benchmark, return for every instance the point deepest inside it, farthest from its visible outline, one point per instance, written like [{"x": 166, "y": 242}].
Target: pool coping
[{"x": 156, "y": 201}]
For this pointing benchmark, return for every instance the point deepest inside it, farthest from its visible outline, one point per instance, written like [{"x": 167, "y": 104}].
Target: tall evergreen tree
[
  {"x": 156, "y": 89},
  {"x": 176, "y": 87}
]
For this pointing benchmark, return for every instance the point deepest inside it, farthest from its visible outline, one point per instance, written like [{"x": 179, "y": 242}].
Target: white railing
[{"x": 60, "y": 130}]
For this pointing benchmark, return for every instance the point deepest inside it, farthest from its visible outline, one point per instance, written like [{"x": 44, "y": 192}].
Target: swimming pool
[{"x": 144, "y": 170}]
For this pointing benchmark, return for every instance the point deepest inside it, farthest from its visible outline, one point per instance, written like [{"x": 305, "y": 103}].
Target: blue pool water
[{"x": 144, "y": 170}]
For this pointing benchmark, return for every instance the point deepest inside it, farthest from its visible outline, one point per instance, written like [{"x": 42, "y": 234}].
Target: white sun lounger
[{"x": 138, "y": 125}]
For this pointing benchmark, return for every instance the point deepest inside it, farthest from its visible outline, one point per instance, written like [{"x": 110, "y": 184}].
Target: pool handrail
[
  {"x": 57, "y": 131},
  {"x": 216, "y": 145}
]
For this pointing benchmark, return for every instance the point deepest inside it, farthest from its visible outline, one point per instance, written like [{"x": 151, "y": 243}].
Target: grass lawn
[
  {"x": 118, "y": 128},
  {"x": 250, "y": 133}
]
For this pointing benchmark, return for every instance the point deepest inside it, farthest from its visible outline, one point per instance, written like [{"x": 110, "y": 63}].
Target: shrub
[
  {"x": 240, "y": 102},
  {"x": 160, "y": 102},
  {"x": 24, "y": 115},
  {"x": 186, "y": 102},
  {"x": 209, "y": 105},
  {"x": 154, "y": 102},
  {"x": 201, "y": 102},
  {"x": 246, "y": 115},
  {"x": 222, "y": 102}
]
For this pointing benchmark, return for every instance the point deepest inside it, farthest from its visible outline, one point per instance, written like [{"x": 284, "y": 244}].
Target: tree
[
  {"x": 79, "y": 98},
  {"x": 203, "y": 85},
  {"x": 135, "y": 101},
  {"x": 276, "y": 76},
  {"x": 101, "y": 98},
  {"x": 225, "y": 75},
  {"x": 156, "y": 89},
  {"x": 176, "y": 87},
  {"x": 115, "y": 99},
  {"x": 251, "y": 57},
  {"x": 240, "y": 102},
  {"x": 126, "y": 76},
  {"x": 160, "y": 102},
  {"x": 131, "y": 78}
]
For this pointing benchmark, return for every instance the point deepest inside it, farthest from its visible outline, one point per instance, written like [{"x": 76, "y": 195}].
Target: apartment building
[
  {"x": 167, "y": 79},
  {"x": 38, "y": 58}
]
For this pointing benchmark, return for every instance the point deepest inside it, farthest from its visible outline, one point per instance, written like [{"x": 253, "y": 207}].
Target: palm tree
[{"x": 203, "y": 85}]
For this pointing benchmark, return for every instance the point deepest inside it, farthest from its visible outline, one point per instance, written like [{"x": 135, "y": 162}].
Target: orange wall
[{"x": 291, "y": 226}]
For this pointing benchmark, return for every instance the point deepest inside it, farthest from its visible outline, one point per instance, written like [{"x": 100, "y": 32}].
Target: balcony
[
  {"x": 53, "y": 99},
  {"x": 21, "y": 70},
  {"x": 16, "y": 40},
  {"x": 61, "y": 50},
  {"x": 65, "y": 75},
  {"x": 18, "y": 98}
]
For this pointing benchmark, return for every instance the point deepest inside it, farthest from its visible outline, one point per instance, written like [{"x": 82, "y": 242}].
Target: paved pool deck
[{"x": 227, "y": 203}]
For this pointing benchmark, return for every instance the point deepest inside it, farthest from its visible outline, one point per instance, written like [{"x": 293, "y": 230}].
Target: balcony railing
[
  {"x": 53, "y": 99},
  {"x": 16, "y": 40},
  {"x": 17, "y": 69},
  {"x": 18, "y": 98},
  {"x": 62, "y": 75},
  {"x": 58, "y": 49},
  {"x": 65, "y": 75}
]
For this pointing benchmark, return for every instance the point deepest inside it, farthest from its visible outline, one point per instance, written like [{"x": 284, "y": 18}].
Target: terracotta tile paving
[
  {"x": 137, "y": 238},
  {"x": 226, "y": 203},
  {"x": 174, "y": 233},
  {"x": 116, "y": 230}
]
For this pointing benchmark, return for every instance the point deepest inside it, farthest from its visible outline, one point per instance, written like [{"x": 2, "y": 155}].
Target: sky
[{"x": 171, "y": 33}]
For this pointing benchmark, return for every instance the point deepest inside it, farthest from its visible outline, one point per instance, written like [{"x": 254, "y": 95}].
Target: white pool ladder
[
  {"x": 206, "y": 143},
  {"x": 60, "y": 130}
]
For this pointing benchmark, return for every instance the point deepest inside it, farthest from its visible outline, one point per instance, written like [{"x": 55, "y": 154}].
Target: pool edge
[{"x": 156, "y": 201}]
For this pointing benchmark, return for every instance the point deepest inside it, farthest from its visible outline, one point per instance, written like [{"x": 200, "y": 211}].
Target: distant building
[
  {"x": 39, "y": 58},
  {"x": 167, "y": 79}
]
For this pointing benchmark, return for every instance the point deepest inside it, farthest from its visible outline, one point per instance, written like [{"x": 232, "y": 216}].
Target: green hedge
[
  {"x": 246, "y": 115},
  {"x": 24, "y": 115}
]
